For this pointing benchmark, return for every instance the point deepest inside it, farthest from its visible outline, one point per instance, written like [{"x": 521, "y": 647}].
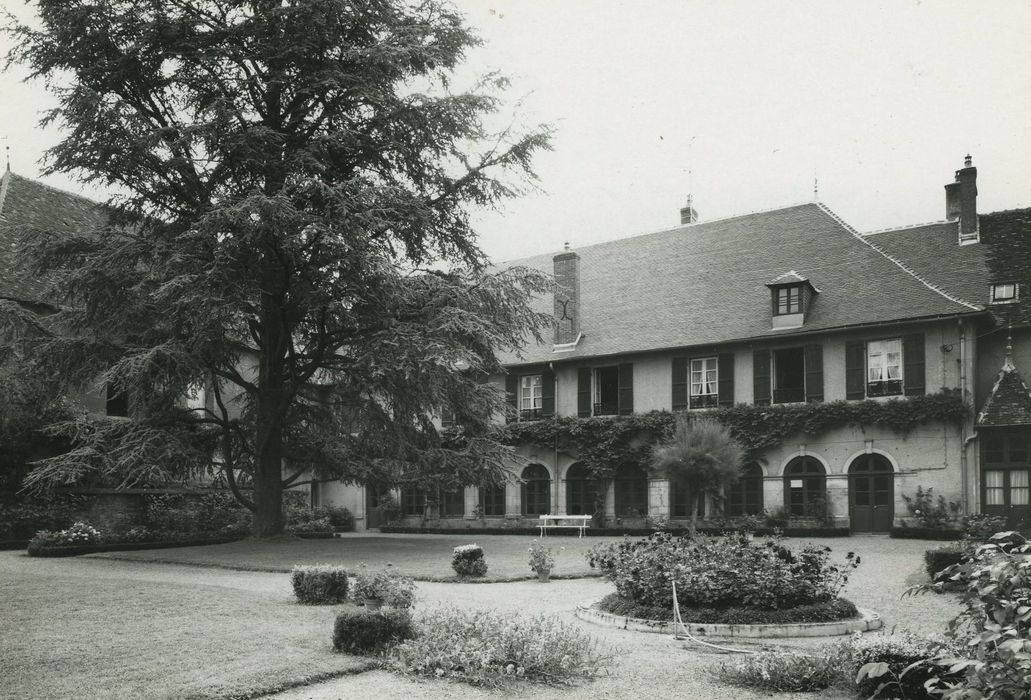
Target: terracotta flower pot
[{"x": 543, "y": 576}]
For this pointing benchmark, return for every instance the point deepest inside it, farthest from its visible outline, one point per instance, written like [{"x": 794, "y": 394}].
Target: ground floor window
[
  {"x": 536, "y": 490},
  {"x": 681, "y": 501},
  {"x": 452, "y": 503},
  {"x": 631, "y": 492},
  {"x": 492, "y": 499},
  {"x": 805, "y": 488},
  {"x": 745, "y": 496},
  {"x": 413, "y": 500}
]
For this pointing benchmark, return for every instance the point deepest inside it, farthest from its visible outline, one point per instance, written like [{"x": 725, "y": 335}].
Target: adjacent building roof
[
  {"x": 1003, "y": 255},
  {"x": 705, "y": 283},
  {"x": 1009, "y": 404},
  {"x": 27, "y": 206}
]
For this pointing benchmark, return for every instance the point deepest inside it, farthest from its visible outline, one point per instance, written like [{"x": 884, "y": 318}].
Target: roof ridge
[
  {"x": 909, "y": 226},
  {"x": 3, "y": 189},
  {"x": 901, "y": 265}
]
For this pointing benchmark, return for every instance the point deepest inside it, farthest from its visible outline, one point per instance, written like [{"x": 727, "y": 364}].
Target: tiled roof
[
  {"x": 706, "y": 283},
  {"x": 26, "y": 207},
  {"x": 787, "y": 278},
  {"x": 1010, "y": 401},
  {"x": 968, "y": 271}
]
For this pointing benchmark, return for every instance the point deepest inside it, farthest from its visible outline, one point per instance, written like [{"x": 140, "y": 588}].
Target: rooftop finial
[
  {"x": 566, "y": 246},
  {"x": 816, "y": 189},
  {"x": 1007, "y": 365},
  {"x": 968, "y": 161},
  {"x": 7, "y": 154}
]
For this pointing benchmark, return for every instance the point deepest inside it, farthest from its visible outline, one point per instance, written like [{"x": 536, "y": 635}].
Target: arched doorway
[
  {"x": 581, "y": 491},
  {"x": 745, "y": 496},
  {"x": 631, "y": 491},
  {"x": 871, "y": 494},
  {"x": 536, "y": 490},
  {"x": 805, "y": 488}
]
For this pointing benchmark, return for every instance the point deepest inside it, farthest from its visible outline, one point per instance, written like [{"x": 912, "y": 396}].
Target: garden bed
[
  {"x": 7, "y": 545},
  {"x": 609, "y": 531},
  {"x": 925, "y": 533},
  {"x": 830, "y": 611},
  {"x": 80, "y": 549},
  {"x": 865, "y": 621}
]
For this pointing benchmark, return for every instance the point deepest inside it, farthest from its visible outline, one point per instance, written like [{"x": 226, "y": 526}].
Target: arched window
[
  {"x": 536, "y": 490},
  {"x": 745, "y": 496},
  {"x": 581, "y": 491},
  {"x": 631, "y": 487},
  {"x": 413, "y": 500},
  {"x": 805, "y": 488},
  {"x": 681, "y": 501}
]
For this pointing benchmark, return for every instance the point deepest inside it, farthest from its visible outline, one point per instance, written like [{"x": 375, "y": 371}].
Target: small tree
[{"x": 702, "y": 455}]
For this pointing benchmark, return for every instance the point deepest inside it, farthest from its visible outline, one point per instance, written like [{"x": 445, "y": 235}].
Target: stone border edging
[{"x": 868, "y": 621}]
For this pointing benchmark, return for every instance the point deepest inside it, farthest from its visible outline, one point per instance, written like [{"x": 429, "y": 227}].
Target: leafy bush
[
  {"x": 358, "y": 631},
  {"x": 930, "y": 512},
  {"x": 339, "y": 517},
  {"x": 826, "y": 611},
  {"x": 778, "y": 672},
  {"x": 20, "y": 520},
  {"x": 898, "y": 652},
  {"x": 394, "y": 590},
  {"x": 467, "y": 560},
  {"x": 322, "y": 584},
  {"x": 541, "y": 559},
  {"x": 994, "y": 627},
  {"x": 216, "y": 511},
  {"x": 493, "y": 649},
  {"x": 721, "y": 572},
  {"x": 312, "y": 525},
  {"x": 941, "y": 558},
  {"x": 981, "y": 527}
]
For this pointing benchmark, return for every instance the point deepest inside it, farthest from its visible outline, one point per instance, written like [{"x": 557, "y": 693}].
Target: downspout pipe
[{"x": 963, "y": 440}]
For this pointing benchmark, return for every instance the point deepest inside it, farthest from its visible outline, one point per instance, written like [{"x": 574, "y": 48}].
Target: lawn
[{"x": 423, "y": 557}]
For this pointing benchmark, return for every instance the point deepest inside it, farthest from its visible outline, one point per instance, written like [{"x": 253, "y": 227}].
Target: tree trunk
[
  {"x": 268, "y": 477},
  {"x": 694, "y": 512}
]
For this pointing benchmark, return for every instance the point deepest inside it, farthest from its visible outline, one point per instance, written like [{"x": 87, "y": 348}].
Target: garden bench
[{"x": 581, "y": 522}]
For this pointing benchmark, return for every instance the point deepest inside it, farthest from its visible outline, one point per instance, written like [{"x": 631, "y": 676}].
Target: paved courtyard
[{"x": 97, "y": 627}]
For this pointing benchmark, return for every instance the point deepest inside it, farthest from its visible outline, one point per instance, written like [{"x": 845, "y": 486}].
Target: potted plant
[
  {"x": 541, "y": 561},
  {"x": 379, "y": 588}
]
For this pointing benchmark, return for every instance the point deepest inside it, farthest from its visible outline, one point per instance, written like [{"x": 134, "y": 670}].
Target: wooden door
[{"x": 871, "y": 494}]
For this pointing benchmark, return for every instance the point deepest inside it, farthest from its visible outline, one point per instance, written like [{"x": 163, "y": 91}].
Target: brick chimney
[
  {"x": 961, "y": 200},
  {"x": 567, "y": 297},
  {"x": 688, "y": 215}
]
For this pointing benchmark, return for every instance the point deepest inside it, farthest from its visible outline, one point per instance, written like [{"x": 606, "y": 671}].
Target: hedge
[
  {"x": 321, "y": 584},
  {"x": 80, "y": 549},
  {"x": 362, "y": 632},
  {"x": 609, "y": 531},
  {"x": 829, "y": 611},
  {"x": 7, "y": 545},
  {"x": 925, "y": 533},
  {"x": 937, "y": 559}
]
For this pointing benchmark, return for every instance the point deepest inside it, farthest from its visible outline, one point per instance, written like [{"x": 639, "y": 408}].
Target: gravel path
[{"x": 645, "y": 665}]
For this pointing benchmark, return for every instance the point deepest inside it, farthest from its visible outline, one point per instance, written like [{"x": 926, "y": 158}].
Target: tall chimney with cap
[
  {"x": 688, "y": 215},
  {"x": 567, "y": 296},
  {"x": 961, "y": 200}
]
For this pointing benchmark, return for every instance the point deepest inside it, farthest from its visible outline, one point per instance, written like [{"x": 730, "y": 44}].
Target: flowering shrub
[
  {"x": 980, "y": 527},
  {"x": 321, "y": 584},
  {"x": 541, "y": 559},
  {"x": 721, "y": 572},
  {"x": 930, "y": 512},
  {"x": 467, "y": 560},
  {"x": 394, "y": 590},
  {"x": 491, "y": 649},
  {"x": 825, "y": 611},
  {"x": 362, "y": 632},
  {"x": 778, "y": 671}
]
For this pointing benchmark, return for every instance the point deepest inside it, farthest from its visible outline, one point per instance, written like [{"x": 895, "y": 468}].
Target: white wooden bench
[{"x": 580, "y": 522}]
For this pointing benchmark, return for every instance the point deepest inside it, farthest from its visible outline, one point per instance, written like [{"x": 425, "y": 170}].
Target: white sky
[{"x": 740, "y": 102}]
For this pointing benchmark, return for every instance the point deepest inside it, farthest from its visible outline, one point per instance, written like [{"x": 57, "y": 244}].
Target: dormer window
[
  {"x": 1004, "y": 293},
  {"x": 792, "y": 294},
  {"x": 787, "y": 300}
]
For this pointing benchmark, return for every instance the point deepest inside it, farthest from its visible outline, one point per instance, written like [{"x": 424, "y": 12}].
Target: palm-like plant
[{"x": 702, "y": 456}]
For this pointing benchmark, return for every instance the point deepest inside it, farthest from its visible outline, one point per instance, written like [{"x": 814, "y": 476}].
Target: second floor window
[
  {"x": 704, "y": 383},
  {"x": 531, "y": 397},
  {"x": 884, "y": 367},
  {"x": 788, "y": 300},
  {"x": 789, "y": 375},
  {"x": 1004, "y": 292},
  {"x": 606, "y": 391}
]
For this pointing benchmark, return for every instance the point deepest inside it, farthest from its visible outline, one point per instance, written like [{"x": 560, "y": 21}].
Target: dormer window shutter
[
  {"x": 626, "y": 389},
  {"x": 547, "y": 394},
  {"x": 855, "y": 370},
  {"x": 761, "y": 377},
  {"x": 913, "y": 364},
  {"x": 814, "y": 372},
  {"x": 511, "y": 397},
  {"x": 725, "y": 363},
  {"x": 583, "y": 392},
  {"x": 679, "y": 383}
]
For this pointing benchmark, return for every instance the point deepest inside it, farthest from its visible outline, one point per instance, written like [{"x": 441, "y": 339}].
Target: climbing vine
[{"x": 605, "y": 443}]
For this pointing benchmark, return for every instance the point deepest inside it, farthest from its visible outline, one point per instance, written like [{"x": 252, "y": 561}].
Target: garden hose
[{"x": 678, "y": 623}]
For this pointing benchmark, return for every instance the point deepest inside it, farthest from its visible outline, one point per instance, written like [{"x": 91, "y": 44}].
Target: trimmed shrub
[
  {"x": 359, "y": 631},
  {"x": 491, "y": 649},
  {"x": 943, "y": 557},
  {"x": 321, "y": 584},
  {"x": 826, "y": 611},
  {"x": 924, "y": 533},
  {"x": 393, "y": 589},
  {"x": 778, "y": 672},
  {"x": 898, "y": 651},
  {"x": 467, "y": 560}
]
